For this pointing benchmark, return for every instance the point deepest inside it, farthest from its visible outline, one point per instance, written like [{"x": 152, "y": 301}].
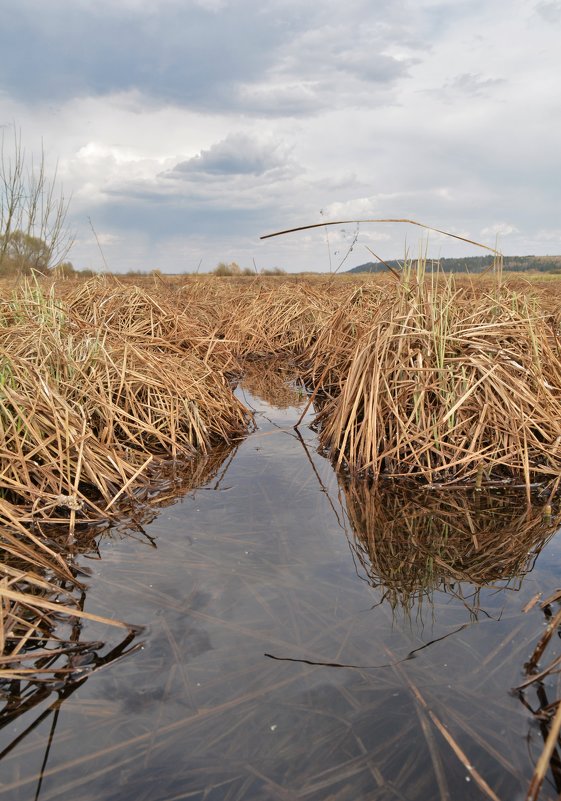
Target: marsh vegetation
[{"x": 436, "y": 399}]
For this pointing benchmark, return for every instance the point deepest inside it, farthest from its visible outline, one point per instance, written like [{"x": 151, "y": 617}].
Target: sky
[{"x": 183, "y": 130}]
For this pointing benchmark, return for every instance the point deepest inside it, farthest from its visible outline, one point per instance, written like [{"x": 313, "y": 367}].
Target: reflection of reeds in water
[
  {"x": 44, "y": 652},
  {"x": 412, "y": 542},
  {"x": 46, "y": 657},
  {"x": 275, "y": 383},
  {"x": 42, "y": 596}
]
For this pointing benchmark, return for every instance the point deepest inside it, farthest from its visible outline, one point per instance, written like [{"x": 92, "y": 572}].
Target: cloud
[
  {"x": 237, "y": 154},
  {"x": 499, "y": 229},
  {"x": 373, "y": 67},
  {"x": 550, "y": 235},
  {"x": 466, "y": 86},
  {"x": 181, "y": 53},
  {"x": 340, "y": 47},
  {"x": 187, "y": 128},
  {"x": 549, "y": 10},
  {"x": 474, "y": 84},
  {"x": 276, "y": 98},
  {"x": 210, "y": 54}
]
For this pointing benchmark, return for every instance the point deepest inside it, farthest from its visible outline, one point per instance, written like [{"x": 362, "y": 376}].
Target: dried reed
[
  {"x": 440, "y": 388},
  {"x": 93, "y": 410},
  {"x": 163, "y": 318},
  {"x": 279, "y": 321}
]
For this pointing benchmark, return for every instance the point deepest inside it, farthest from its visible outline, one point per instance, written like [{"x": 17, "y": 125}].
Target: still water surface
[{"x": 261, "y": 562}]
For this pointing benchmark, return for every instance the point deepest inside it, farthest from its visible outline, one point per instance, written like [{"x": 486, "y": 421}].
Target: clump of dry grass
[
  {"x": 83, "y": 410},
  {"x": 166, "y": 319},
  {"x": 439, "y": 387},
  {"x": 280, "y": 321},
  {"x": 327, "y": 360},
  {"x": 93, "y": 415},
  {"x": 50, "y": 458}
]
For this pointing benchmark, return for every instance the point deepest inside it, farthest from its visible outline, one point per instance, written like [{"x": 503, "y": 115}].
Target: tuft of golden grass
[
  {"x": 427, "y": 382},
  {"x": 164, "y": 318},
  {"x": 282, "y": 320}
]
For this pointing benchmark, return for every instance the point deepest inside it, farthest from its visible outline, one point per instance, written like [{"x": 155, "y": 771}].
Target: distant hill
[{"x": 473, "y": 264}]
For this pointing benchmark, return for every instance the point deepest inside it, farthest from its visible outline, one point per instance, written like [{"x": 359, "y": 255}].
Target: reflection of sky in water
[{"x": 259, "y": 564}]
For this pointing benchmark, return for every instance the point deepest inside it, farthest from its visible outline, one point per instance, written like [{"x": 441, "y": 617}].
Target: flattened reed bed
[
  {"x": 135, "y": 398},
  {"x": 280, "y": 321},
  {"x": 90, "y": 415},
  {"x": 162, "y": 318},
  {"x": 90, "y": 418}
]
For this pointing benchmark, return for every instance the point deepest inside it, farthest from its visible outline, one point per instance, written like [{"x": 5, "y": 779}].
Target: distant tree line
[
  {"x": 223, "y": 269},
  {"x": 472, "y": 264}
]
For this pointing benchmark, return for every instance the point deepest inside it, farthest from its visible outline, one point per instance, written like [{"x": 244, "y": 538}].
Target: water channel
[{"x": 283, "y": 658}]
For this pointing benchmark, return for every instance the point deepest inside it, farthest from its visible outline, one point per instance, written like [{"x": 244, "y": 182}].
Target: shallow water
[{"x": 258, "y": 568}]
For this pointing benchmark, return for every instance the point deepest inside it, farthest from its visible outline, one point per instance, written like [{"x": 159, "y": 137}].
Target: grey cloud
[
  {"x": 374, "y": 67},
  {"x": 470, "y": 83},
  {"x": 321, "y": 52},
  {"x": 239, "y": 175},
  {"x": 292, "y": 98},
  {"x": 160, "y": 221},
  {"x": 439, "y": 17},
  {"x": 549, "y": 10},
  {"x": 181, "y": 54},
  {"x": 276, "y": 59},
  {"x": 237, "y": 154}
]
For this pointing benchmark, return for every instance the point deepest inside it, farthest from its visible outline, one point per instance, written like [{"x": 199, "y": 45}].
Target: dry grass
[
  {"x": 85, "y": 407},
  {"x": 438, "y": 386},
  {"x": 278, "y": 320},
  {"x": 106, "y": 388},
  {"x": 165, "y": 318},
  {"x": 95, "y": 405}
]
